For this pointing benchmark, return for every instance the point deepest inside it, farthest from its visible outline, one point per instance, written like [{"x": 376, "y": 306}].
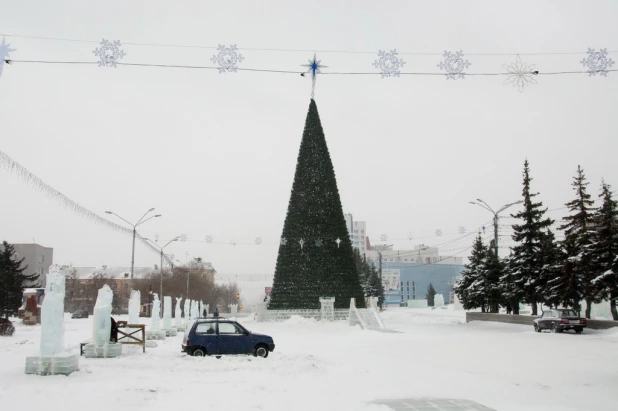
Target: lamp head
[
  {"x": 158, "y": 215},
  {"x": 108, "y": 212},
  {"x": 152, "y": 209}
]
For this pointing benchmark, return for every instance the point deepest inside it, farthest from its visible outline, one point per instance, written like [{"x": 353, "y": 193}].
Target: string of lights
[{"x": 39, "y": 185}]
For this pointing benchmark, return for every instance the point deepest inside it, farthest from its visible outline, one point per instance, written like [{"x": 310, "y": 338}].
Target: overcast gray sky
[{"x": 216, "y": 153}]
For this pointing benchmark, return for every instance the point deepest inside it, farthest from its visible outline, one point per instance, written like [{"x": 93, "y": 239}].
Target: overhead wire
[{"x": 290, "y": 50}]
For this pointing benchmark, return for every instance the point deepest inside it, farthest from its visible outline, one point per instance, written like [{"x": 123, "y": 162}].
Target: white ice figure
[
  {"x": 167, "y": 312},
  {"x": 438, "y": 300},
  {"x": 102, "y": 320},
  {"x": 201, "y": 308},
  {"x": 154, "y": 316},
  {"x": 194, "y": 310},
  {"x": 187, "y": 312},
  {"x": 134, "y": 306},
  {"x": 52, "y": 314},
  {"x": 177, "y": 314}
]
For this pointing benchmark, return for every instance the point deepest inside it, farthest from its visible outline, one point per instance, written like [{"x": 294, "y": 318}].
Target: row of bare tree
[{"x": 194, "y": 281}]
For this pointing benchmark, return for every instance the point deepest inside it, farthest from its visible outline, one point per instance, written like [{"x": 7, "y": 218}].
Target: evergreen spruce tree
[
  {"x": 373, "y": 284},
  {"x": 12, "y": 280},
  {"x": 311, "y": 263},
  {"x": 553, "y": 285},
  {"x": 578, "y": 232},
  {"x": 524, "y": 264},
  {"x": 470, "y": 287},
  {"x": 431, "y": 295},
  {"x": 494, "y": 270},
  {"x": 605, "y": 249}
]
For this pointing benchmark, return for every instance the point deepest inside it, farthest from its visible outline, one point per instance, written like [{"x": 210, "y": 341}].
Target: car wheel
[
  {"x": 199, "y": 352},
  {"x": 578, "y": 330},
  {"x": 260, "y": 351},
  {"x": 536, "y": 328}
]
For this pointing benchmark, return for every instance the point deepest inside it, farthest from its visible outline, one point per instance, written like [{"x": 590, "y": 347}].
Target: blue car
[{"x": 220, "y": 336}]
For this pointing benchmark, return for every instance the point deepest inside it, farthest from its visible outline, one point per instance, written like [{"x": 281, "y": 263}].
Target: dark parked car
[
  {"x": 217, "y": 336},
  {"x": 6, "y": 327},
  {"x": 80, "y": 314},
  {"x": 558, "y": 320}
]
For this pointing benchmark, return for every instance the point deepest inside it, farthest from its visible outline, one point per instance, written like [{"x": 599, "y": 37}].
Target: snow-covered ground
[{"x": 331, "y": 366}]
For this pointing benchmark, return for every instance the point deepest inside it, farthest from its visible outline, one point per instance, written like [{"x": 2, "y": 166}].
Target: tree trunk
[
  {"x": 588, "y": 308},
  {"x": 483, "y": 308},
  {"x": 508, "y": 308},
  {"x": 612, "y": 304},
  {"x": 534, "y": 307},
  {"x": 516, "y": 308}
]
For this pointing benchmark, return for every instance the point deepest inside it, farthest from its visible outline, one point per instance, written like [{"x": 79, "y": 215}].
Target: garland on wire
[
  {"x": 453, "y": 65},
  {"x": 37, "y": 184}
]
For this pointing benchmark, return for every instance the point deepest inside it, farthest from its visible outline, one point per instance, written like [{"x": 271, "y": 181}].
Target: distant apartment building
[
  {"x": 421, "y": 254},
  {"x": 358, "y": 233},
  {"x": 37, "y": 259}
]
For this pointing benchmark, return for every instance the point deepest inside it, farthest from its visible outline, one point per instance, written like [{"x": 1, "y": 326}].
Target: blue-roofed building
[{"x": 414, "y": 279}]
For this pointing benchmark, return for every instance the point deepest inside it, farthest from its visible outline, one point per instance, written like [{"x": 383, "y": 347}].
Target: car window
[
  {"x": 568, "y": 313},
  {"x": 206, "y": 328},
  {"x": 229, "y": 328}
]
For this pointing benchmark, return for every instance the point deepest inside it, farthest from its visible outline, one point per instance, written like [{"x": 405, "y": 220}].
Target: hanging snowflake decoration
[
  {"x": 258, "y": 240},
  {"x": 597, "y": 62},
  {"x": 462, "y": 230},
  {"x": 439, "y": 233},
  {"x": 5, "y": 49},
  {"x": 283, "y": 241},
  {"x": 454, "y": 65},
  {"x": 227, "y": 58},
  {"x": 109, "y": 53},
  {"x": 410, "y": 237},
  {"x": 209, "y": 239},
  {"x": 302, "y": 243},
  {"x": 384, "y": 237},
  {"x": 338, "y": 241},
  {"x": 183, "y": 237},
  {"x": 318, "y": 243},
  {"x": 388, "y": 63},
  {"x": 520, "y": 74},
  {"x": 156, "y": 236}
]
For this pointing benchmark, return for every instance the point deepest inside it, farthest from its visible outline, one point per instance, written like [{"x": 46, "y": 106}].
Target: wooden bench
[{"x": 130, "y": 337}]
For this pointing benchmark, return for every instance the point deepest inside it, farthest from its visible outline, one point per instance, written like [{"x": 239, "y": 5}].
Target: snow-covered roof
[{"x": 117, "y": 273}]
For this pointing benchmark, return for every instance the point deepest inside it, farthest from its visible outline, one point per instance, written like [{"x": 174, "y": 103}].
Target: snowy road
[{"x": 333, "y": 367}]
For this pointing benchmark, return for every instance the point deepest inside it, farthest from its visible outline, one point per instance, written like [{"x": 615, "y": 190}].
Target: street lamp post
[
  {"x": 161, "y": 266},
  {"x": 134, "y": 234},
  {"x": 495, "y": 213}
]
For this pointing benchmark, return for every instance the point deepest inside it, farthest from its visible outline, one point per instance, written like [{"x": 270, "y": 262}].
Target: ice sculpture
[
  {"x": 438, "y": 300},
  {"x": 201, "y": 314},
  {"x": 101, "y": 347},
  {"x": 154, "y": 315},
  {"x": 155, "y": 332},
  {"x": 167, "y": 317},
  {"x": 53, "y": 359},
  {"x": 187, "y": 312},
  {"x": 102, "y": 320},
  {"x": 134, "y": 307},
  {"x": 52, "y": 315},
  {"x": 194, "y": 310},
  {"x": 177, "y": 314}
]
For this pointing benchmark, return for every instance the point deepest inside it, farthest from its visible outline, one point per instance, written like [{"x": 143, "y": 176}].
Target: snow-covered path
[{"x": 333, "y": 367}]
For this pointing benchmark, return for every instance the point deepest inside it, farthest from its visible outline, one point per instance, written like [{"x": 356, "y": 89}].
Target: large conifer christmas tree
[{"x": 315, "y": 255}]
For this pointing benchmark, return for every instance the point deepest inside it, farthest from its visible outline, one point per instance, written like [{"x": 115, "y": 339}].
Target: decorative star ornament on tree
[
  {"x": 314, "y": 68},
  {"x": 4, "y": 53}
]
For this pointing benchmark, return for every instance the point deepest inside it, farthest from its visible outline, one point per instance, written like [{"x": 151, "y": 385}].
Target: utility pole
[
  {"x": 495, "y": 213},
  {"x": 134, "y": 235}
]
